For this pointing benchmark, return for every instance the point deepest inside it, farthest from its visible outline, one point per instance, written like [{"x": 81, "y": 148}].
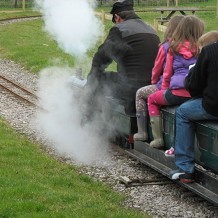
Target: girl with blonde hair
[
  {"x": 183, "y": 52},
  {"x": 157, "y": 71}
]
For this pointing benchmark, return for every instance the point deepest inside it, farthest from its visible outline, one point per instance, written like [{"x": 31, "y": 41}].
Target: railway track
[
  {"x": 7, "y": 21},
  {"x": 20, "y": 18},
  {"x": 12, "y": 87},
  {"x": 18, "y": 91}
]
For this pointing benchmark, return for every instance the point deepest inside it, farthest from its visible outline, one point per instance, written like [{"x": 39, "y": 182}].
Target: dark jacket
[
  {"x": 133, "y": 45},
  {"x": 202, "y": 80}
]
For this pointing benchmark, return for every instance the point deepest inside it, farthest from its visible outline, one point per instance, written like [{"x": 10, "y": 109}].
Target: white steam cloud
[
  {"x": 72, "y": 23},
  {"x": 61, "y": 120}
]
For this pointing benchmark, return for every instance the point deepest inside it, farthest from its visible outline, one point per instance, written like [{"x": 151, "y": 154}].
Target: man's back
[
  {"x": 133, "y": 45},
  {"x": 137, "y": 62}
]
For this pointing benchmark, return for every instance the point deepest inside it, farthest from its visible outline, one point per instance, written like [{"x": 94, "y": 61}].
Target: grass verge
[
  {"x": 26, "y": 43},
  {"x": 33, "y": 184}
]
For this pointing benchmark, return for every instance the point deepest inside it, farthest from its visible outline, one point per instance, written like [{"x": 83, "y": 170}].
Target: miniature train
[{"x": 206, "y": 147}]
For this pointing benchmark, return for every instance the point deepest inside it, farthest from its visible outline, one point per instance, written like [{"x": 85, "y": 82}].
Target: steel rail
[
  {"x": 21, "y": 88},
  {"x": 22, "y": 17}
]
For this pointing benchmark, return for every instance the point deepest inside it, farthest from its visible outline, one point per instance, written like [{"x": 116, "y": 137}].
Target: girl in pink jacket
[
  {"x": 157, "y": 72},
  {"x": 183, "y": 51}
]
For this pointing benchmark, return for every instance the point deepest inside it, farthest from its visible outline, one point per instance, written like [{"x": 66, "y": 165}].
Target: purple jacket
[
  {"x": 177, "y": 66},
  {"x": 180, "y": 70}
]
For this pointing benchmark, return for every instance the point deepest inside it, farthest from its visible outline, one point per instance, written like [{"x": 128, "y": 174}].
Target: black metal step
[{"x": 205, "y": 185}]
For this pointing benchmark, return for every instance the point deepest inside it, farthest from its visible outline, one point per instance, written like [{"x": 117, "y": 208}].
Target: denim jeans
[{"x": 190, "y": 111}]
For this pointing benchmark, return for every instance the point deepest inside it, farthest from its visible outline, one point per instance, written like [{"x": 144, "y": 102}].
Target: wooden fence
[{"x": 104, "y": 16}]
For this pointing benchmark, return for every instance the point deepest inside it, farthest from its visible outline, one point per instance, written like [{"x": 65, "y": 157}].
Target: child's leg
[
  {"x": 141, "y": 111},
  {"x": 156, "y": 100},
  {"x": 142, "y": 96},
  {"x": 173, "y": 100}
]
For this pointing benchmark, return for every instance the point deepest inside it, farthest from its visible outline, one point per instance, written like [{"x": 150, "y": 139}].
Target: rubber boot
[
  {"x": 142, "y": 134},
  {"x": 156, "y": 125}
]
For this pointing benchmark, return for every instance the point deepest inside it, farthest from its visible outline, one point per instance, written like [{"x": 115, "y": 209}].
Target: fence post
[
  {"x": 155, "y": 25},
  {"x": 103, "y": 22},
  {"x": 23, "y": 5},
  {"x": 217, "y": 9},
  {"x": 168, "y": 3}
]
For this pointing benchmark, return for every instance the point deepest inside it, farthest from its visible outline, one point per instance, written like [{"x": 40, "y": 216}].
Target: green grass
[
  {"x": 33, "y": 184},
  {"x": 16, "y": 13},
  {"x": 26, "y": 43}
]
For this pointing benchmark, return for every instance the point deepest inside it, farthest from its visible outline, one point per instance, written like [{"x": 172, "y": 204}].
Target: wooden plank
[
  {"x": 106, "y": 16},
  {"x": 157, "y": 26},
  {"x": 161, "y": 28}
]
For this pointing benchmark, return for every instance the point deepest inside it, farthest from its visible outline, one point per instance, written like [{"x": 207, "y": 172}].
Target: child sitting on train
[
  {"x": 183, "y": 51},
  {"x": 157, "y": 71},
  {"x": 205, "y": 39},
  {"x": 201, "y": 83}
]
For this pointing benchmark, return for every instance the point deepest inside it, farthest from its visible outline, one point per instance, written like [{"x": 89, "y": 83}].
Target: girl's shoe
[{"x": 170, "y": 152}]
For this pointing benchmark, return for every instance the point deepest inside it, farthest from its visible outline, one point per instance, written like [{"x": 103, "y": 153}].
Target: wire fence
[
  {"x": 153, "y": 3},
  {"x": 105, "y": 3},
  {"x": 4, "y": 4}
]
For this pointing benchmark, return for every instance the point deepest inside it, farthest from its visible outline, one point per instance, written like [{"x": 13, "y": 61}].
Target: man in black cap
[{"x": 133, "y": 45}]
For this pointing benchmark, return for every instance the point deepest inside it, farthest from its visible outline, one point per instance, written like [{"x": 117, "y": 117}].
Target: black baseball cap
[{"x": 122, "y": 5}]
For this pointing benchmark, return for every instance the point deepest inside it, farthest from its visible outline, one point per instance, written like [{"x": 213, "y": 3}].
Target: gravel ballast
[{"x": 168, "y": 200}]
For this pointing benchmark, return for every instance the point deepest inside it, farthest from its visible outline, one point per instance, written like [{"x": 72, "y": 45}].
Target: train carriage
[
  {"x": 206, "y": 147},
  {"x": 206, "y": 173}
]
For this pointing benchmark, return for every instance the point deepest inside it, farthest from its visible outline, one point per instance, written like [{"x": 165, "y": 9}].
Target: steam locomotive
[{"x": 206, "y": 146}]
